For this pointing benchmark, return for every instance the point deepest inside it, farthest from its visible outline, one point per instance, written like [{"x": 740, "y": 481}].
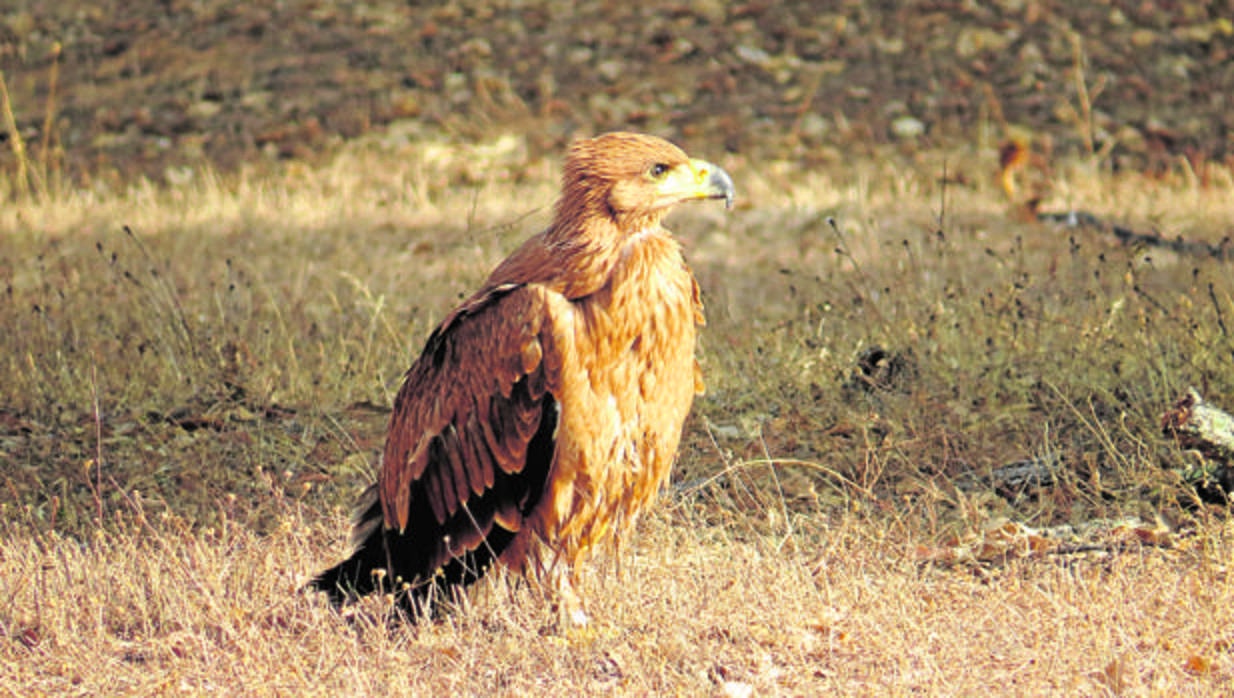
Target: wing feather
[
  {"x": 452, "y": 448},
  {"x": 445, "y": 480},
  {"x": 457, "y": 454},
  {"x": 462, "y": 488},
  {"x": 478, "y": 446},
  {"x": 502, "y": 440},
  {"x": 480, "y": 469},
  {"x": 433, "y": 484}
]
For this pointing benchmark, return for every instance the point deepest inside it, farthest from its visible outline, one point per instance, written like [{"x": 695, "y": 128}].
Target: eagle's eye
[{"x": 657, "y": 170}]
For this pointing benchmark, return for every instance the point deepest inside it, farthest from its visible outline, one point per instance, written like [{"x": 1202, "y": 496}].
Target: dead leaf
[{"x": 1199, "y": 664}]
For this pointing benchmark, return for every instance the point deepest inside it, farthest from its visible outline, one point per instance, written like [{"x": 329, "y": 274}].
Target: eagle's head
[{"x": 635, "y": 179}]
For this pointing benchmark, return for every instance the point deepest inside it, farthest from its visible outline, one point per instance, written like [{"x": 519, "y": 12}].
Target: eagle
[{"x": 545, "y": 411}]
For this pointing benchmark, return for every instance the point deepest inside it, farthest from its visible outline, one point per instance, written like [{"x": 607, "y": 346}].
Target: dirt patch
[{"x": 148, "y": 86}]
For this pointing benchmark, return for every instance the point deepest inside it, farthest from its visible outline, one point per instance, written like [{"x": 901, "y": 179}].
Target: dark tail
[
  {"x": 374, "y": 549},
  {"x": 363, "y": 572},
  {"x": 367, "y": 569},
  {"x": 419, "y": 565}
]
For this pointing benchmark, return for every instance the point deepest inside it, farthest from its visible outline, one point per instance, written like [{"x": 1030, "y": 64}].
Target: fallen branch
[
  {"x": 1083, "y": 219},
  {"x": 1200, "y": 426},
  {"x": 1016, "y": 479},
  {"x": 1193, "y": 423}
]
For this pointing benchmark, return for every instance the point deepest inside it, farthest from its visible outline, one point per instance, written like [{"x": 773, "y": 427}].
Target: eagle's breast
[{"x": 623, "y": 411}]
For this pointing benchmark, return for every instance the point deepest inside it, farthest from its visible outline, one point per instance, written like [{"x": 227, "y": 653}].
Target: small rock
[
  {"x": 712, "y": 11},
  {"x": 610, "y": 70},
  {"x": 753, "y": 55},
  {"x": 907, "y": 127},
  {"x": 813, "y": 125},
  {"x": 204, "y": 109},
  {"x": 974, "y": 40}
]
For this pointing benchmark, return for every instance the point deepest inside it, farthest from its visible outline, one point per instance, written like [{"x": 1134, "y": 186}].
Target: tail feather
[
  {"x": 374, "y": 549},
  {"x": 419, "y": 563},
  {"x": 361, "y": 572}
]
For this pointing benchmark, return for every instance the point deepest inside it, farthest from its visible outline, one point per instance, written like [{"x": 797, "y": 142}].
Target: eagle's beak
[{"x": 699, "y": 179}]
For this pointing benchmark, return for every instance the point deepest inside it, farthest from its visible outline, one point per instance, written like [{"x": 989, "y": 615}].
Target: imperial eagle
[{"x": 545, "y": 411}]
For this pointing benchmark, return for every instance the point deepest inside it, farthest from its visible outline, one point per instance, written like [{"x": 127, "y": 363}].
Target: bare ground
[{"x": 152, "y": 86}]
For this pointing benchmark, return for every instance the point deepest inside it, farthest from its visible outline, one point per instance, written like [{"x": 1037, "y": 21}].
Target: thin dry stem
[{"x": 17, "y": 143}]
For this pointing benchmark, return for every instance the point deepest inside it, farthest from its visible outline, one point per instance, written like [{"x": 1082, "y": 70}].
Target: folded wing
[{"x": 469, "y": 448}]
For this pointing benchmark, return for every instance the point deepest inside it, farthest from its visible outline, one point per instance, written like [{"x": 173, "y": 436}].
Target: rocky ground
[{"x": 148, "y": 86}]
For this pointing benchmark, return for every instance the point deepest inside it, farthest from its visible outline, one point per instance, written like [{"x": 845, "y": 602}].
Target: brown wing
[{"x": 471, "y": 437}]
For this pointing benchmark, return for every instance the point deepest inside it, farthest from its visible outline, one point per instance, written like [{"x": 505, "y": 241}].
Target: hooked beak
[{"x": 699, "y": 179}]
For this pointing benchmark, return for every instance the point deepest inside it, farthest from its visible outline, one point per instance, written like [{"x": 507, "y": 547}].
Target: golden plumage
[{"x": 545, "y": 411}]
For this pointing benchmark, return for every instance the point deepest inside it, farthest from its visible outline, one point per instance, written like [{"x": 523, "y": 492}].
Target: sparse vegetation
[
  {"x": 192, "y": 403},
  {"x": 196, "y": 368}
]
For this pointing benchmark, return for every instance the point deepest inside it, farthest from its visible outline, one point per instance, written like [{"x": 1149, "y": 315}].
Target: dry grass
[
  {"x": 696, "y": 610},
  {"x": 226, "y": 363}
]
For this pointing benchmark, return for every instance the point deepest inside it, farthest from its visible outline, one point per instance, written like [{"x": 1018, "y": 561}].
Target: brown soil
[{"x": 148, "y": 85}]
